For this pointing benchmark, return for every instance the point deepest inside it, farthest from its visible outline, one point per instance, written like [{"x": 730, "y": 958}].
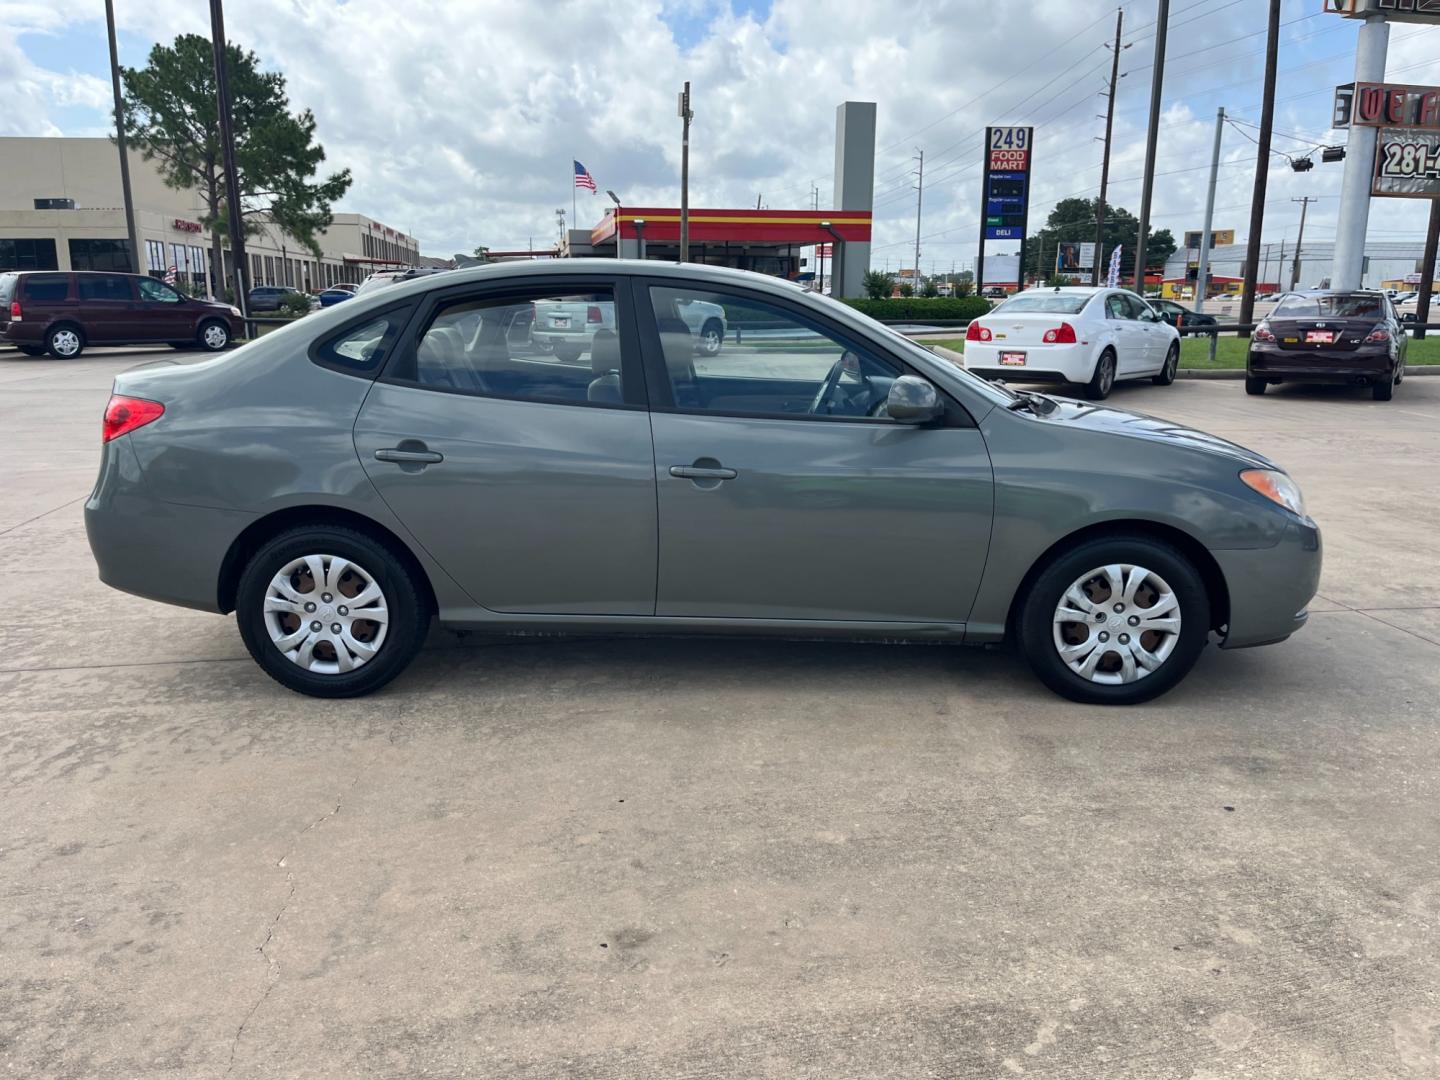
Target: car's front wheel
[
  {"x": 330, "y": 611},
  {"x": 214, "y": 336},
  {"x": 1115, "y": 621}
]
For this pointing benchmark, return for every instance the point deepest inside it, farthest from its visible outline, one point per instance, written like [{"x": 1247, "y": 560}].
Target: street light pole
[
  {"x": 120, "y": 141},
  {"x": 1105, "y": 161},
  {"x": 227, "y": 146},
  {"x": 1300, "y": 240},
  {"x": 1157, "y": 82},
  {"x": 686, "y": 116},
  {"x": 1262, "y": 170},
  {"x": 1202, "y": 280}
]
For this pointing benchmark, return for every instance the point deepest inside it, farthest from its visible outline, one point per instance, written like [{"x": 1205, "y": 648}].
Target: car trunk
[
  {"x": 1023, "y": 329},
  {"x": 1317, "y": 334}
]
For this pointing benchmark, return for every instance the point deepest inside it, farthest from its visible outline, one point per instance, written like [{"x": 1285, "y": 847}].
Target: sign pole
[
  {"x": 1427, "y": 269},
  {"x": 1157, "y": 84},
  {"x": 1262, "y": 171},
  {"x": 1348, "y": 268}
]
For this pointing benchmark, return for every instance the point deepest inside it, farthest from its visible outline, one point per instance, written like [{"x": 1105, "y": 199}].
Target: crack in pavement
[{"x": 1369, "y": 614}]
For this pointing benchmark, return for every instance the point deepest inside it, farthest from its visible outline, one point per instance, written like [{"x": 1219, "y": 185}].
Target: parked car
[
  {"x": 270, "y": 297},
  {"x": 1177, "y": 315},
  {"x": 345, "y": 479},
  {"x": 63, "y": 312},
  {"x": 1336, "y": 337},
  {"x": 330, "y": 297},
  {"x": 382, "y": 278},
  {"x": 1080, "y": 335},
  {"x": 566, "y": 328}
]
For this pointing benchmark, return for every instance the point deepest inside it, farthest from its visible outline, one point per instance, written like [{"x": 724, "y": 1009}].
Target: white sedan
[{"x": 1088, "y": 336}]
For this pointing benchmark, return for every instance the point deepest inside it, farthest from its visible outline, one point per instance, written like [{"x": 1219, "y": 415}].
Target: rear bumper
[
  {"x": 1270, "y": 588},
  {"x": 1043, "y": 363},
  {"x": 1356, "y": 365}
]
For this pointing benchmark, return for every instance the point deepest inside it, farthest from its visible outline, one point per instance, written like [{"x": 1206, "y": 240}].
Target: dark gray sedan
[{"x": 410, "y": 455}]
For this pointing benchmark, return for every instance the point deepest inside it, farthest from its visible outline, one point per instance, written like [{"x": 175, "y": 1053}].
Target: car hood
[{"x": 1133, "y": 425}]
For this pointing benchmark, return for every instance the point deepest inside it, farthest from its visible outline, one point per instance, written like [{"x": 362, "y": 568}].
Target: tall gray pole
[
  {"x": 1262, "y": 169},
  {"x": 227, "y": 148},
  {"x": 1202, "y": 280},
  {"x": 1427, "y": 268},
  {"x": 1105, "y": 161},
  {"x": 685, "y": 116},
  {"x": 1300, "y": 240},
  {"x": 919, "y": 196},
  {"x": 135, "y": 265},
  {"x": 1348, "y": 266},
  {"x": 1157, "y": 83}
]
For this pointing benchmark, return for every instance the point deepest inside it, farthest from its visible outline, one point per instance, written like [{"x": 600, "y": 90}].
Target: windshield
[
  {"x": 1339, "y": 306},
  {"x": 1048, "y": 303}
]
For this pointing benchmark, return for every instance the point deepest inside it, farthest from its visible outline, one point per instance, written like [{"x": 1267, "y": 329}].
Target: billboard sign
[
  {"x": 1371, "y": 104},
  {"x": 1075, "y": 261},
  {"x": 1427, "y": 11},
  {"x": 1407, "y": 164},
  {"x": 1006, "y": 185},
  {"x": 1218, "y": 238}
]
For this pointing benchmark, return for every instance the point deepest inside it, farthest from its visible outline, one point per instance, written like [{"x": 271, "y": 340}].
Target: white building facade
[{"x": 61, "y": 209}]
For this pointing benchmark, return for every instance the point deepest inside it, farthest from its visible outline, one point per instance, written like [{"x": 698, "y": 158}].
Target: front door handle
[
  {"x": 406, "y": 456},
  {"x": 700, "y": 472}
]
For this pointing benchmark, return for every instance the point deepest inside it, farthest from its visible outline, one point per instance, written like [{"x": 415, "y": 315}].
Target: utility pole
[
  {"x": 1348, "y": 265},
  {"x": 686, "y": 116},
  {"x": 1157, "y": 82},
  {"x": 1105, "y": 161},
  {"x": 919, "y": 196},
  {"x": 120, "y": 142},
  {"x": 1427, "y": 269},
  {"x": 1262, "y": 170},
  {"x": 232, "y": 176},
  {"x": 1300, "y": 240},
  {"x": 1202, "y": 281}
]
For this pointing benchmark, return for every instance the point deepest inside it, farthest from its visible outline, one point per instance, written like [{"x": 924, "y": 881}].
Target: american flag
[
  {"x": 170, "y": 276},
  {"x": 583, "y": 178}
]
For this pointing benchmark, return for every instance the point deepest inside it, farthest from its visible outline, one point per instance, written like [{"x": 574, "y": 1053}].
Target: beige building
[{"x": 61, "y": 209}]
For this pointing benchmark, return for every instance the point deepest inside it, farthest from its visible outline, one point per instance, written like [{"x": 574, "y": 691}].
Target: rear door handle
[
  {"x": 697, "y": 472},
  {"x": 409, "y": 457}
]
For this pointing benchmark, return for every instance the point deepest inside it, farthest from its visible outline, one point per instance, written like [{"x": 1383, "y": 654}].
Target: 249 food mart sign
[{"x": 1006, "y": 185}]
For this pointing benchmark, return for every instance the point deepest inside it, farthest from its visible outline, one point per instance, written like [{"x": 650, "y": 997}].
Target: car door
[
  {"x": 163, "y": 313},
  {"x": 782, "y": 495},
  {"x": 107, "y": 307},
  {"x": 1155, "y": 333},
  {"x": 531, "y": 480}
]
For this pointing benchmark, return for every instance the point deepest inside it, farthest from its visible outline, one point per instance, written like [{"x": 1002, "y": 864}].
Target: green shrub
[
  {"x": 295, "y": 304},
  {"x": 941, "y": 307}
]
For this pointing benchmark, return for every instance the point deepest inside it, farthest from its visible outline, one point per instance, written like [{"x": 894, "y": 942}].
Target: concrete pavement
[{"x": 720, "y": 859}]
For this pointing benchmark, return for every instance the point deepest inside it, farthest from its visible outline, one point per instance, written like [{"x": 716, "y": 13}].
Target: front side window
[
  {"x": 731, "y": 354},
  {"x": 560, "y": 347},
  {"x": 104, "y": 287},
  {"x": 157, "y": 292},
  {"x": 1116, "y": 307}
]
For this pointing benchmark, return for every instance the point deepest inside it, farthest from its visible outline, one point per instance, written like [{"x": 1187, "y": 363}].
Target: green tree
[
  {"x": 928, "y": 287},
  {"x": 174, "y": 118},
  {"x": 482, "y": 253},
  {"x": 876, "y": 284},
  {"x": 906, "y": 289},
  {"x": 1073, "y": 221}
]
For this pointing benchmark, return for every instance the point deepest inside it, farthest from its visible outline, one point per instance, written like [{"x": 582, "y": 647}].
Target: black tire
[
  {"x": 1384, "y": 390},
  {"x": 405, "y": 598},
  {"x": 32, "y": 350},
  {"x": 1035, "y": 626},
  {"x": 1255, "y": 386},
  {"x": 568, "y": 354},
  {"x": 1103, "y": 381},
  {"x": 213, "y": 335},
  {"x": 1172, "y": 365},
  {"x": 712, "y": 338},
  {"x": 65, "y": 341},
  {"x": 182, "y": 346}
]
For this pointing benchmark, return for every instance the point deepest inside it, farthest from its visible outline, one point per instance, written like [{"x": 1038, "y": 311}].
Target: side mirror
[{"x": 912, "y": 400}]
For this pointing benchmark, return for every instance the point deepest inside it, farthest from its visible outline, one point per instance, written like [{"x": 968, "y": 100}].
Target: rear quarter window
[
  {"x": 46, "y": 288},
  {"x": 7, "y": 287}
]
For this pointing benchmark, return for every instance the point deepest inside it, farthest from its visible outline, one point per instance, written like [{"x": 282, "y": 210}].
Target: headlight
[
  {"x": 235, "y": 311},
  {"x": 1277, "y": 487}
]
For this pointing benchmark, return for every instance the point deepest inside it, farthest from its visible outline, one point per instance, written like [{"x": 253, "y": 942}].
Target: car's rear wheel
[
  {"x": 1115, "y": 621},
  {"x": 712, "y": 338},
  {"x": 214, "y": 335},
  {"x": 1172, "y": 365},
  {"x": 65, "y": 342},
  {"x": 1103, "y": 381},
  {"x": 330, "y": 612},
  {"x": 1255, "y": 386}
]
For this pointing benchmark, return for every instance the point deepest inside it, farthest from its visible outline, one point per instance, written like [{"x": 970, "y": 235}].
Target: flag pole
[{"x": 572, "y": 193}]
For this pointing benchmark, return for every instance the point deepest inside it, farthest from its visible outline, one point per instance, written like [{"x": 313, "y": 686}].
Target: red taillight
[
  {"x": 976, "y": 332},
  {"x": 1064, "y": 334},
  {"x": 126, "y": 414},
  {"x": 15, "y": 314},
  {"x": 592, "y": 314},
  {"x": 1262, "y": 333},
  {"x": 1378, "y": 335}
]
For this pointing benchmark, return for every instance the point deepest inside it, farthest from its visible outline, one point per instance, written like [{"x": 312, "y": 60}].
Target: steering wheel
[{"x": 832, "y": 380}]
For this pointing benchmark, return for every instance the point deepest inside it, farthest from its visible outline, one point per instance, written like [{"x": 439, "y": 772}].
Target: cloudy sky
[{"x": 459, "y": 118}]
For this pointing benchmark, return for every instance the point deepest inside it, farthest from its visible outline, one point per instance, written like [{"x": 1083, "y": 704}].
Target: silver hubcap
[
  {"x": 1107, "y": 372},
  {"x": 326, "y": 614},
  {"x": 66, "y": 342},
  {"x": 1171, "y": 363},
  {"x": 712, "y": 341},
  {"x": 1117, "y": 624},
  {"x": 215, "y": 336}
]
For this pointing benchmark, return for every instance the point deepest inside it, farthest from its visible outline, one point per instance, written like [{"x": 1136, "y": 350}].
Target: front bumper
[
  {"x": 1293, "y": 365},
  {"x": 1270, "y": 587}
]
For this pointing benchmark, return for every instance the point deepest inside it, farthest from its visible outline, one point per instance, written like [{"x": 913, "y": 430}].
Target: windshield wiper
[{"x": 1039, "y": 404}]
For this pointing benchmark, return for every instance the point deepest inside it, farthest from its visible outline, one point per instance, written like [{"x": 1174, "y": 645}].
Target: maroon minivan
[{"x": 61, "y": 312}]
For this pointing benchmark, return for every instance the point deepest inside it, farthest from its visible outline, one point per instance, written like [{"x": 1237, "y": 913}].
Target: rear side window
[
  {"x": 363, "y": 348},
  {"x": 104, "y": 287},
  {"x": 46, "y": 288},
  {"x": 7, "y": 288}
]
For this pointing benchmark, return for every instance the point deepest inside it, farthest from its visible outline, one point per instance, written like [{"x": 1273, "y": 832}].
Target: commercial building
[
  {"x": 61, "y": 209},
  {"x": 1385, "y": 262}
]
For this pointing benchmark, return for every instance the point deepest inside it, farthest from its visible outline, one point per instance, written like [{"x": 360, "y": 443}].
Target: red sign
[
  {"x": 822, "y": 251},
  {"x": 186, "y": 226},
  {"x": 1388, "y": 105},
  {"x": 1009, "y": 160}
]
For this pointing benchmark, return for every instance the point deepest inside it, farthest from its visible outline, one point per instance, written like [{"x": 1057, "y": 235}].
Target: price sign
[
  {"x": 1407, "y": 164},
  {"x": 1006, "y": 184}
]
